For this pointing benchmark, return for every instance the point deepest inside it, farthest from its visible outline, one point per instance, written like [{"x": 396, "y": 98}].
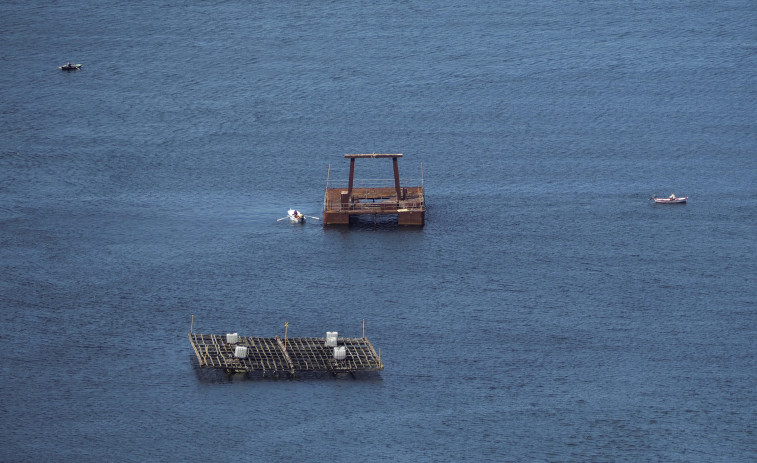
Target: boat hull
[{"x": 670, "y": 201}]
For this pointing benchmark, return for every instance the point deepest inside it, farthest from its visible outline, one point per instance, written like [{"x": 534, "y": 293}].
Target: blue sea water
[{"x": 548, "y": 311}]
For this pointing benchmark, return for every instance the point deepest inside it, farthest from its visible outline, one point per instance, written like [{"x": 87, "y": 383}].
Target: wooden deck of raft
[
  {"x": 270, "y": 356},
  {"x": 339, "y": 205}
]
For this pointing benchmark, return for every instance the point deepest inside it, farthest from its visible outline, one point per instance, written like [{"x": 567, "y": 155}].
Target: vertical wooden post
[
  {"x": 396, "y": 178},
  {"x": 286, "y": 327},
  {"x": 352, "y": 178},
  {"x": 364, "y": 328},
  {"x": 191, "y": 326}
]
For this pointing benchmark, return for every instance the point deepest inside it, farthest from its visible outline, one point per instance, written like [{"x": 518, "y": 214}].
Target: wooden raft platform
[
  {"x": 408, "y": 203},
  {"x": 271, "y": 355}
]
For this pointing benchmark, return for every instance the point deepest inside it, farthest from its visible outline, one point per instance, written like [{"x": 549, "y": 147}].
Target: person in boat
[{"x": 672, "y": 196}]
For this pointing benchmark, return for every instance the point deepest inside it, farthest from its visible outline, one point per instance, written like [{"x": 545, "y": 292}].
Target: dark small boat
[{"x": 70, "y": 67}]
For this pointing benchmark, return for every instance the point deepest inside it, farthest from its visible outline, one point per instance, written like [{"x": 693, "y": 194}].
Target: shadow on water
[
  {"x": 220, "y": 376},
  {"x": 368, "y": 223}
]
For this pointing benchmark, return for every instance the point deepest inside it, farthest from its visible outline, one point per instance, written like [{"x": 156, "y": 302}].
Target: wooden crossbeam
[{"x": 372, "y": 155}]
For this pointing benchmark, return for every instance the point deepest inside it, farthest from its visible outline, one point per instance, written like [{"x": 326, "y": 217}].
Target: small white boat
[
  {"x": 672, "y": 199},
  {"x": 295, "y": 216}
]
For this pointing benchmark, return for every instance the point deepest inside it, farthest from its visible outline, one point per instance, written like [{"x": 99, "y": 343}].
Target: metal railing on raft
[
  {"x": 375, "y": 183},
  {"x": 377, "y": 207}
]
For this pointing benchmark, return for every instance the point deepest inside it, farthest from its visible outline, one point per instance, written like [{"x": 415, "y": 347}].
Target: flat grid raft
[{"x": 271, "y": 356}]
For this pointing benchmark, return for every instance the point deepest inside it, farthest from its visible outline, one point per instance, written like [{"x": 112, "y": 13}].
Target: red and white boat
[{"x": 672, "y": 199}]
